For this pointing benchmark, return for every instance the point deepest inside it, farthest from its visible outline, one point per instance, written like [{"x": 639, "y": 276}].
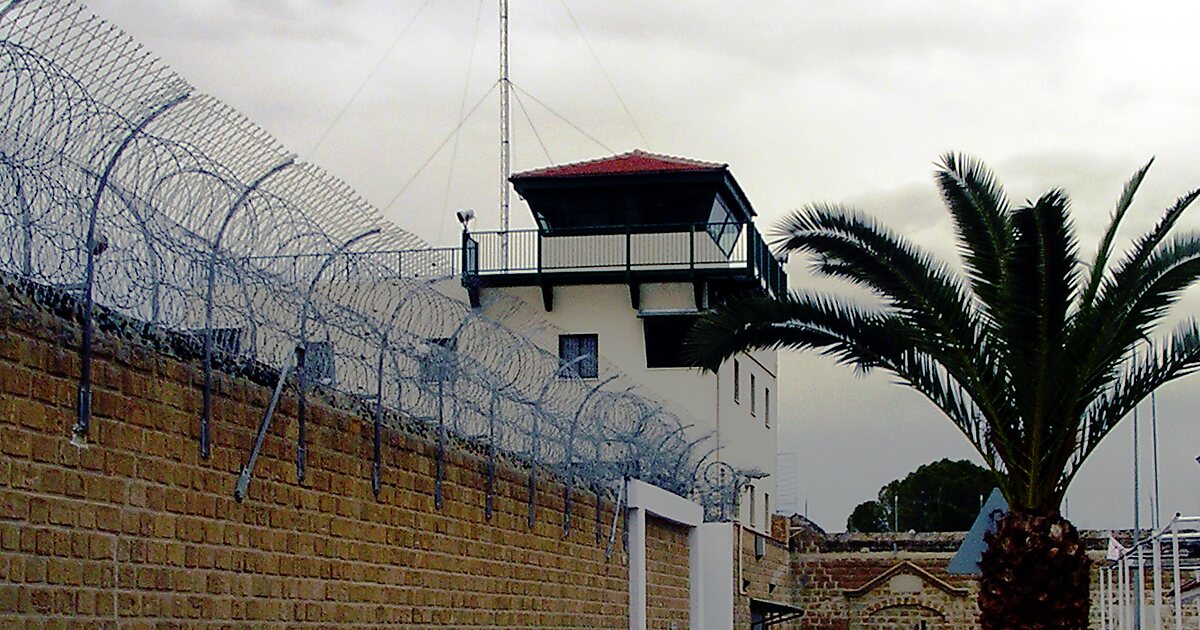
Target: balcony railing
[
  {"x": 703, "y": 248},
  {"x": 384, "y": 265}
]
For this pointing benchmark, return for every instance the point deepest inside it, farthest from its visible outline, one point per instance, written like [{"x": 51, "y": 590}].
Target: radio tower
[{"x": 505, "y": 152}]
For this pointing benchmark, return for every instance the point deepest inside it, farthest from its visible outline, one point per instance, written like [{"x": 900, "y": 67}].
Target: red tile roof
[{"x": 633, "y": 163}]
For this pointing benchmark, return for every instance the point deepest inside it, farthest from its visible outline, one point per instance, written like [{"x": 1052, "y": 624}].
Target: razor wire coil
[{"x": 124, "y": 187}]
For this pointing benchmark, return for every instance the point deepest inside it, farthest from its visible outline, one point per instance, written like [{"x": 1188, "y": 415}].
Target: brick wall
[
  {"x": 834, "y": 569},
  {"x": 666, "y": 575},
  {"x": 900, "y": 602},
  {"x": 769, "y": 577},
  {"x": 135, "y": 529}
]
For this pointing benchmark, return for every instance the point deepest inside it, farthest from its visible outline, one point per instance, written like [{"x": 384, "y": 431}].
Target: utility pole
[
  {"x": 1154, "y": 446},
  {"x": 1137, "y": 526},
  {"x": 895, "y": 521}
]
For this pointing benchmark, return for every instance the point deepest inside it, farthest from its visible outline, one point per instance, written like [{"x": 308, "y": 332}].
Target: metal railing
[
  {"x": 429, "y": 263},
  {"x": 691, "y": 248},
  {"x": 1125, "y": 603}
]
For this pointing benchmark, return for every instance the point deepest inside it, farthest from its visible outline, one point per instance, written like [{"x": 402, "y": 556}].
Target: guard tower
[{"x": 628, "y": 250}]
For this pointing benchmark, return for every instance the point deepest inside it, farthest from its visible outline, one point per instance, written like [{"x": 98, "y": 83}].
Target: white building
[{"x": 628, "y": 251}]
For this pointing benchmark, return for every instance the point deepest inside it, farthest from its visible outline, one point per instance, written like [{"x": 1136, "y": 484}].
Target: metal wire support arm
[
  {"x": 569, "y": 460},
  {"x": 243, "y": 482},
  {"x": 238, "y": 204},
  {"x": 94, "y": 248},
  {"x": 301, "y": 411}
]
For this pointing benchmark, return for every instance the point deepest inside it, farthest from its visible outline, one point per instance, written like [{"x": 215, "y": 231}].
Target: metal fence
[
  {"x": 132, "y": 196},
  {"x": 704, "y": 247},
  {"x": 1127, "y": 601}
]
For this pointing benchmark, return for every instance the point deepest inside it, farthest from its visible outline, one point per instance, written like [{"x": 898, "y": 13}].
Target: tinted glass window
[
  {"x": 664, "y": 340},
  {"x": 721, "y": 226}
]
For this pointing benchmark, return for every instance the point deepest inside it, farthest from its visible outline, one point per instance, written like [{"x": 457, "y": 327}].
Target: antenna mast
[{"x": 505, "y": 151}]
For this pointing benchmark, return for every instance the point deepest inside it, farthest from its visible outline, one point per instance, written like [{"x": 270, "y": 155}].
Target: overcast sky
[{"x": 807, "y": 101}]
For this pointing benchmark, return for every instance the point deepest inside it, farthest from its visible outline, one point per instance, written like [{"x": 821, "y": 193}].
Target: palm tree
[{"x": 1034, "y": 354}]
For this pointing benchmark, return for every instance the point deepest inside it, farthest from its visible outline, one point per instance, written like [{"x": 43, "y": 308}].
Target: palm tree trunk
[{"x": 1036, "y": 574}]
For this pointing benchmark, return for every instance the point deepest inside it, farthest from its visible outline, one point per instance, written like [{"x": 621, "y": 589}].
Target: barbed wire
[{"x": 126, "y": 191}]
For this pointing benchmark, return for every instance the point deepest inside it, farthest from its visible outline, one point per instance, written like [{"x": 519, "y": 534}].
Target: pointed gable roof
[
  {"x": 905, "y": 567},
  {"x": 635, "y": 162}
]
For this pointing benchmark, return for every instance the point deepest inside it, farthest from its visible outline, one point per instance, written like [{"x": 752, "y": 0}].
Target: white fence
[{"x": 1128, "y": 601}]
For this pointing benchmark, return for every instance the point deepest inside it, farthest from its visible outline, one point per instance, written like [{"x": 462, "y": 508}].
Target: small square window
[
  {"x": 439, "y": 362},
  {"x": 580, "y": 353},
  {"x": 319, "y": 366},
  {"x": 665, "y": 335}
]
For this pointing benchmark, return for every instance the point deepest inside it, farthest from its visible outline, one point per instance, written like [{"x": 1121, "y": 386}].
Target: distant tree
[
  {"x": 869, "y": 517},
  {"x": 943, "y": 496}
]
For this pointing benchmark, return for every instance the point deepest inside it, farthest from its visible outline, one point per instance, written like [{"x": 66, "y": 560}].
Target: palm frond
[
  {"x": 1171, "y": 269},
  {"x": 1102, "y": 332},
  {"x": 923, "y": 373},
  {"x": 921, "y": 290},
  {"x": 849, "y": 245},
  {"x": 1100, "y": 261},
  {"x": 1044, "y": 265},
  {"x": 1168, "y": 272},
  {"x": 859, "y": 337},
  {"x": 980, "y": 211},
  {"x": 862, "y": 338},
  {"x": 1123, "y": 280},
  {"x": 1163, "y": 361},
  {"x": 1033, "y": 313}
]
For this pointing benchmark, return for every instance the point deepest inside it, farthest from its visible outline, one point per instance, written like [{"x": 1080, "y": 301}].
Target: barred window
[
  {"x": 318, "y": 362},
  {"x": 580, "y": 352},
  {"x": 227, "y": 340},
  {"x": 439, "y": 363}
]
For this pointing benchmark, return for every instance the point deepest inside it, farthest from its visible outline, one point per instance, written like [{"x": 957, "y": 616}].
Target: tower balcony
[{"x": 723, "y": 257}]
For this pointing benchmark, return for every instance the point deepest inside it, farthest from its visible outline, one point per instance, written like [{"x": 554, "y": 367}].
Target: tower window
[
  {"x": 767, "y": 407},
  {"x": 722, "y": 227},
  {"x": 665, "y": 335},
  {"x": 580, "y": 352}
]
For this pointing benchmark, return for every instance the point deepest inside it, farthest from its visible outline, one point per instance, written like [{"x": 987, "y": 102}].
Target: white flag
[{"x": 1115, "y": 549}]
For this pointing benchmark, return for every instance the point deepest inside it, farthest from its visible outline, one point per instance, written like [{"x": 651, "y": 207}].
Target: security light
[{"x": 465, "y": 216}]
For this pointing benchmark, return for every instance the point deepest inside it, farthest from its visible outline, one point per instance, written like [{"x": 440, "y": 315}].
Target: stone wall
[{"x": 135, "y": 529}]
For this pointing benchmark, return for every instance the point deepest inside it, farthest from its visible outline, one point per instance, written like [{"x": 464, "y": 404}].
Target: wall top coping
[{"x": 663, "y": 504}]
